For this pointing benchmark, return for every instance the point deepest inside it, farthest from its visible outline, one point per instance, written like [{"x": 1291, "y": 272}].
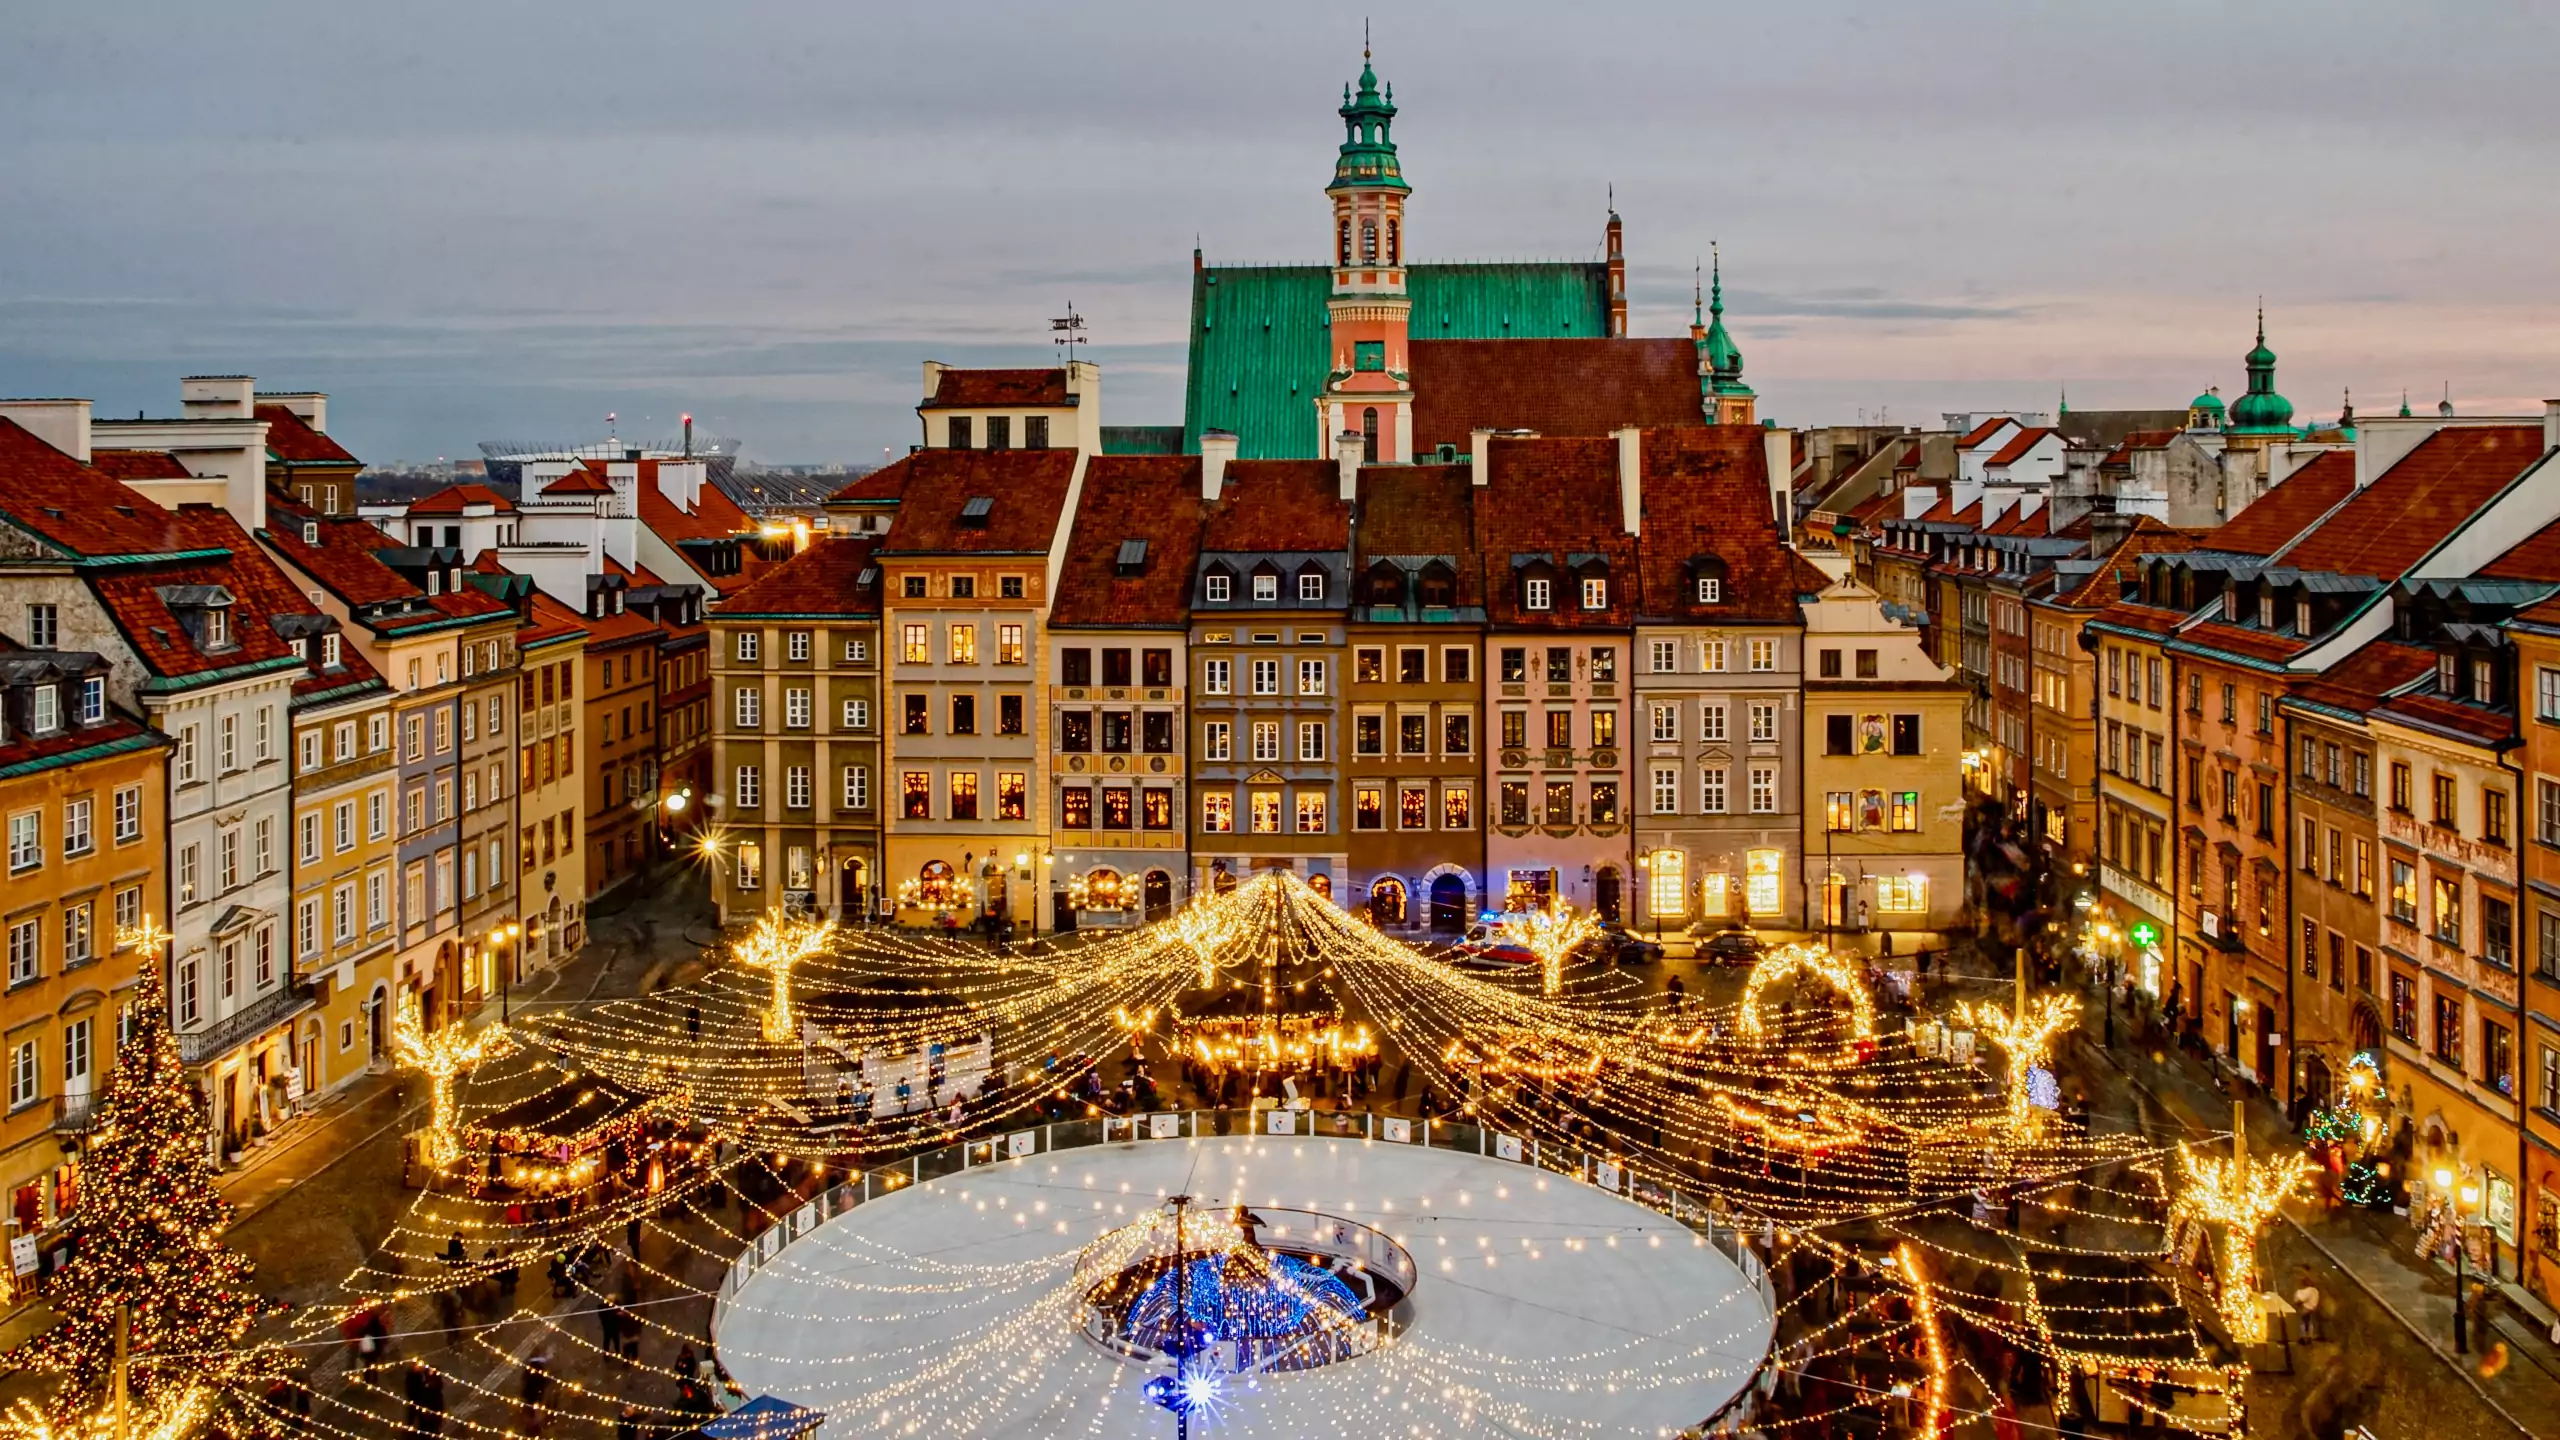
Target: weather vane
[{"x": 1067, "y": 331}]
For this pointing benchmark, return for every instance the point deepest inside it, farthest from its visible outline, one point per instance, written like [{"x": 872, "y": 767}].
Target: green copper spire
[
  {"x": 2262, "y": 411},
  {"x": 1724, "y": 358},
  {"x": 1368, "y": 158},
  {"x": 2404, "y": 402}
]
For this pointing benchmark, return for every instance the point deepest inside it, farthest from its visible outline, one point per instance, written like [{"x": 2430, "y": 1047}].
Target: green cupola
[
  {"x": 1716, "y": 347},
  {"x": 1368, "y": 158},
  {"x": 2205, "y": 411},
  {"x": 2261, "y": 411}
]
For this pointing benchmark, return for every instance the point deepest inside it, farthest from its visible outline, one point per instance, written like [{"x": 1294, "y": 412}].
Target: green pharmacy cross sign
[{"x": 2144, "y": 934}]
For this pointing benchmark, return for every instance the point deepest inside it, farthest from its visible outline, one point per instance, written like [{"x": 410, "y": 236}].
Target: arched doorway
[
  {"x": 1604, "y": 893},
  {"x": 376, "y": 1020},
  {"x": 2316, "y": 1084},
  {"x": 853, "y": 889},
  {"x": 308, "y": 1063},
  {"x": 1448, "y": 906},
  {"x": 1159, "y": 894},
  {"x": 1387, "y": 903},
  {"x": 935, "y": 884}
]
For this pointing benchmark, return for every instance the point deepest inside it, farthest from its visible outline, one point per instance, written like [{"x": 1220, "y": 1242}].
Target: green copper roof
[
  {"x": 1141, "y": 439},
  {"x": 2262, "y": 411},
  {"x": 1259, "y": 351},
  {"x": 1368, "y": 158},
  {"x": 2209, "y": 401},
  {"x": 1724, "y": 358}
]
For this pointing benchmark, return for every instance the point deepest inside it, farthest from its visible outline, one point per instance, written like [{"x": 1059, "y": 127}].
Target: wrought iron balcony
[{"x": 197, "y": 1047}]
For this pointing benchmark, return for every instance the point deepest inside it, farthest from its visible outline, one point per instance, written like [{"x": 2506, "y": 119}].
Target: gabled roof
[
  {"x": 2148, "y": 537},
  {"x": 2392, "y": 523},
  {"x": 714, "y": 516},
  {"x": 1417, "y": 510},
  {"x": 137, "y": 598},
  {"x": 828, "y": 578},
  {"x": 549, "y": 621},
  {"x": 1554, "y": 499},
  {"x": 1278, "y": 506},
  {"x": 887, "y": 483},
  {"x": 2275, "y": 518},
  {"x": 982, "y": 389},
  {"x": 2535, "y": 557},
  {"x": 77, "y": 508},
  {"x": 454, "y": 499},
  {"x": 346, "y": 559},
  {"x": 2358, "y": 683},
  {"x": 291, "y": 439},
  {"x": 2019, "y": 444},
  {"x": 1983, "y": 431},
  {"x": 1150, "y": 499},
  {"x": 1588, "y": 385},
  {"x": 588, "y": 478},
  {"x": 1706, "y": 494},
  {"x": 1029, "y": 488}
]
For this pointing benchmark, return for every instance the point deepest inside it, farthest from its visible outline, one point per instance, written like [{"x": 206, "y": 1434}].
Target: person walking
[{"x": 2306, "y": 1303}]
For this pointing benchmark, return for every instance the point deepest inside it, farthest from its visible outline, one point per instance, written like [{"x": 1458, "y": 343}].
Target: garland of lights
[{"x": 440, "y": 1056}]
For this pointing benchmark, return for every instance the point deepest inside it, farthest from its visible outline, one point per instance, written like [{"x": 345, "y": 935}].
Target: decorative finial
[
  {"x": 2262, "y": 319},
  {"x": 1697, "y": 292},
  {"x": 2404, "y": 402},
  {"x": 1715, "y": 278},
  {"x": 1364, "y": 37}
]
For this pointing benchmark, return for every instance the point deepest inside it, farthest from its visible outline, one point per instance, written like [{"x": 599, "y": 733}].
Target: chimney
[
  {"x": 62, "y": 424},
  {"x": 1918, "y": 500},
  {"x": 2551, "y": 424},
  {"x": 1217, "y": 449},
  {"x": 1346, "y": 462},
  {"x": 309, "y": 406},
  {"x": 1480, "y": 457},
  {"x": 2109, "y": 529},
  {"x": 217, "y": 397},
  {"x": 1778, "y": 448},
  {"x": 1630, "y": 477}
]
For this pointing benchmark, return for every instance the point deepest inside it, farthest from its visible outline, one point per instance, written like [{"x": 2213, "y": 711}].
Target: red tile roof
[
  {"x": 2396, "y": 520},
  {"x": 258, "y": 590},
  {"x": 2535, "y": 557},
  {"x": 982, "y": 389},
  {"x": 1555, "y": 497},
  {"x": 344, "y": 562},
  {"x": 1982, "y": 432},
  {"x": 1705, "y": 492},
  {"x": 139, "y": 464},
  {"x": 824, "y": 579},
  {"x": 2019, "y": 444},
  {"x": 889, "y": 482},
  {"x": 1154, "y": 498},
  {"x": 2138, "y": 440},
  {"x": 290, "y": 438},
  {"x": 2359, "y": 682},
  {"x": 1029, "y": 488},
  {"x": 1555, "y": 387},
  {"x": 550, "y": 620},
  {"x": 1278, "y": 506},
  {"x": 454, "y": 499},
  {"x": 2148, "y": 537},
  {"x": 607, "y": 631},
  {"x": 588, "y": 479},
  {"x": 2275, "y": 518},
  {"x": 1421, "y": 510},
  {"x": 21, "y": 747},
  {"x": 714, "y": 517},
  {"x": 2442, "y": 712},
  {"x": 83, "y": 510}
]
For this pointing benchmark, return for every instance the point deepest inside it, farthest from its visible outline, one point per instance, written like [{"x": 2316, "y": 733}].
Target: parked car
[
  {"x": 1732, "y": 947},
  {"x": 1491, "y": 945},
  {"x": 1615, "y": 942}
]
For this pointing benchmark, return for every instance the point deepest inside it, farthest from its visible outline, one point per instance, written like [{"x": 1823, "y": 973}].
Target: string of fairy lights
[{"x": 822, "y": 1056}]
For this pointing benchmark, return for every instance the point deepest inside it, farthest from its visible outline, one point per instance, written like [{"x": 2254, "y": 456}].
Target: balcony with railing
[{"x": 198, "y": 1047}]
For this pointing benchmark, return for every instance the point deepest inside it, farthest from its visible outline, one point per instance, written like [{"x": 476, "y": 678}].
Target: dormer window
[
  {"x": 217, "y": 627},
  {"x": 2445, "y": 676},
  {"x": 1131, "y": 561},
  {"x": 310, "y": 532},
  {"x": 93, "y": 700},
  {"x": 1706, "y": 580},
  {"x": 2482, "y": 677},
  {"x": 2302, "y": 617},
  {"x": 1595, "y": 592},
  {"x": 435, "y": 582},
  {"x": 1266, "y": 585},
  {"x": 1383, "y": 585},
  {"x": 973, "y": 515},
  {"x": 1311, "y": 584},
  {"x": 1537, "y": 593},
  {"x": 48, "y": 710},
  {"x": 330, "y": 658},
  {"x": 1439, "y": 586},
  {"x": 301, "y": 648},
  {"x": 1216, "y": 587}
]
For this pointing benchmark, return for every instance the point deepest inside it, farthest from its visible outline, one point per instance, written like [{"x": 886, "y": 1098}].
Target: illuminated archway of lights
[
  {"x": 893, "y": 1034},
  {"x": 1840, "y": 972}
]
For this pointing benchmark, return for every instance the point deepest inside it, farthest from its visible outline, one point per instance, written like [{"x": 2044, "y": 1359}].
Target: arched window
[
  {"x": 1395, "y": 250},
  {"x": 1386, "y": 902},
  {"x": 1369, "y": 435},
  {"x": 1346, "y": 243},
  {"x": 1369, "y": 242}
]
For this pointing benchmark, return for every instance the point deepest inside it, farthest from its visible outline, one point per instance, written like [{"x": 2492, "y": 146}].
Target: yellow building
[
  {"x": 549, "y": 800},
  {"x": 343, "y": 868},
  {"x": 83, "y": 789},
  {"x": 1883, "y": 768}
]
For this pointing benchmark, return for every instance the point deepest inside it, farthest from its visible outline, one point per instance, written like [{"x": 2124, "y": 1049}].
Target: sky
[{"x": 472, "y": 221}]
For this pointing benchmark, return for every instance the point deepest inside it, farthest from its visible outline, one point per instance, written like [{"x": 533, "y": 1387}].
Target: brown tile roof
[
  {"x": 2148, "y": 537},
  {"x": 139, "y": 464},
  {"x": 824, "y": 579},
  {"x": 1982, "y": 432},
  {"x": 1154, "y": 498},
  {"x": 2535, "y": 557},
  {"x": 290, "y": 438},
  {"x": 453, "y": 499},
  {"x": 1029, "y": 488},
  {"x": 980, "y": 389},
  {"x": 2275, "y": 518},
  {"x": 2359, "y": 682},
  {"x": 550, "y": 620},
  {"x": 83, "y": 510},
  {"x": 1556, "y": 498},
  {"x": 1422, "y": 510},
  {"x": 2019, "y": 444},
  {"x": 1705, "y": 492},
  {"x": 345, "y": 562},
  {"x": 888, "y": 482},
  {"x": 588, "y": 479},
  {"x": 1279, "y": 506},
  {"x": 2243, "y": 641},
  {"x": 1555, "y": 387},
  {"x": 2393, "y": 522},
  {"x": 2138, "y": 440},
  {"x": 2014, "y": 521},
  {"x": 259, "y": 592},
  {"x": 606, "y": 631},
  {"x": 2442, "y": 712},
  {"x": 714, "y": 516}
]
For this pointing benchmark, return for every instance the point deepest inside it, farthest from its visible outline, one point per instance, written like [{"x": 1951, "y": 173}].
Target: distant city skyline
[{"x": 501, "y": 222}]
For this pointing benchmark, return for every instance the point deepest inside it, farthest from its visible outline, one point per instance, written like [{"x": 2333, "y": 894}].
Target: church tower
[
  {"x": 1368, "y": 395},
  {"x": 1723, "y": 395}
]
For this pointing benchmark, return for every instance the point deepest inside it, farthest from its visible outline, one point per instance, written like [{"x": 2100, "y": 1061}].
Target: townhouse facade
[
  {"x": 795, "y": 662},
  {"x": 2535, "y": 633},
  {"x": 345, "y": 946},
  {"x": 620, "y": 734},
  {"x": 551, "y": 648},
  {"x": 1882, "y": 723}
]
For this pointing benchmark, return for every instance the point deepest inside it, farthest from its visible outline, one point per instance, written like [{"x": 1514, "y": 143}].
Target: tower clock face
[{"x": 1369, "y": 355}]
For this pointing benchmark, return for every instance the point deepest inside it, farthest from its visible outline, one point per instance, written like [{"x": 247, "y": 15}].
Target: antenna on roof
[{"x": 1067, "y": 332}]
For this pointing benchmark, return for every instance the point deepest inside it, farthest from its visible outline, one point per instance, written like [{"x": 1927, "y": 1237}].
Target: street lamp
[
  {"x": 502, "y": 938},
  {"x": 2465, "y": 1199}
]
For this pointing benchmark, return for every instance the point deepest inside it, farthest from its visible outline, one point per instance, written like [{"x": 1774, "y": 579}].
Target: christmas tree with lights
[{"x": 148, "y": 1235}]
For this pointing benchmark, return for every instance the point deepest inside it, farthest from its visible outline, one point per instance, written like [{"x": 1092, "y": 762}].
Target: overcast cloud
[{"x": 473, "y": 220}]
